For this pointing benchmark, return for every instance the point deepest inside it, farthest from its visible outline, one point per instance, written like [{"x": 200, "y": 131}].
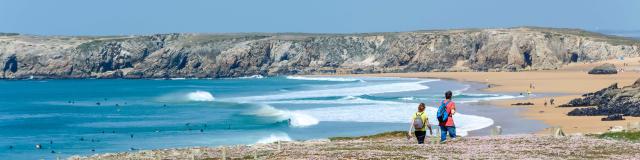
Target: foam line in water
[
  {"x": 274, "y": 137},
  {"x": 344, "y": 100},
  {"x": 393, "y": 113},
  {"x": 348, "y": 91},
  {"x": 295, "y": 118},
  {"x": 257, "y": 76},
  {"x": 335, "y": 79},
  {"x": 487, "y": 98}
]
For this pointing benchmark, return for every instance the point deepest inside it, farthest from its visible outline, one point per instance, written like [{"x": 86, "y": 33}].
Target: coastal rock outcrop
[
  {"x": 606, "y": 68},
  {"x": 270, "y": 54},
  {"x": 609, "y": 101}
]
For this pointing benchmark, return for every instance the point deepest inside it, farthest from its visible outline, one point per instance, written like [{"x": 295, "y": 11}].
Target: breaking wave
[
  {"x": 200, "y": 96},
  {"x": 348, "y": 91},
  {"x": 195, "y": 96},
  {"x": 295, "y": 118}
]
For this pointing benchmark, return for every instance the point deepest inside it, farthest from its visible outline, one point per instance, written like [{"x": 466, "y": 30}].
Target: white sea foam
[
  {"x": 335, "y": 79},
  {"x": 345, "y": 91},
  {"x": 195, "y": 96},
  {"x": 275, "y": 137},
  {"x": 460, "y": 91},
  {"x": 257, "y": 76},
  {"x": 408, "y": 98},
  {"x": 487, "y": 98},
  {"x": 393, "y": 113},
  {"x": 200, "y": 96},
  {"x": 344, "y": 100},
  {"x": 295, "y": 118}
]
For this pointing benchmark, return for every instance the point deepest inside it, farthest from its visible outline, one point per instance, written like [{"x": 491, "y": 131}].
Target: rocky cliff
[{"x": 242, "y": 54}]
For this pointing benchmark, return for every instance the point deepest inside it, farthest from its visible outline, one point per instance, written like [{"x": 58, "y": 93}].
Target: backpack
[
  {"x": 442, "y": 114},
  {"x": 418, "y": 123}
]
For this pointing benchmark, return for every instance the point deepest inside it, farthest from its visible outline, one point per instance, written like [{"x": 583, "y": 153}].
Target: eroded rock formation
[{"x": 233, "y": 55}]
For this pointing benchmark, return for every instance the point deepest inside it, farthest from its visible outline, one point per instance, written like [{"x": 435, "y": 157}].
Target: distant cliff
[{"x": 242, "y": 54}]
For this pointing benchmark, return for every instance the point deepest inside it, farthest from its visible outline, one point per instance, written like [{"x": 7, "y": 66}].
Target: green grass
[
  {"x": 392, "y": 134},
  {"x": 633, "y": 136}
]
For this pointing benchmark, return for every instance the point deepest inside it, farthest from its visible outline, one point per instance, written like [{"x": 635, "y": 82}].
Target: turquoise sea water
[{"x": 68, "y": 117}]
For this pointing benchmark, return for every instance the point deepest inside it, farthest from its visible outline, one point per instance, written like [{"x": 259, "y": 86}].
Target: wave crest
[
  {"x": 296, "y": 119},
  {"x": 200, "y": 96},
  {"x": 195, "y": 96}
]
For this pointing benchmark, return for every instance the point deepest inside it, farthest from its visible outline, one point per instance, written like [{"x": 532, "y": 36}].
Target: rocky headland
[
  {"x": 190, "y": 55},
  {"x": 608, "y": 101}
]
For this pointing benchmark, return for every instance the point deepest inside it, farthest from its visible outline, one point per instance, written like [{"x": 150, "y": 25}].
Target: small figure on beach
[
  {"x": 445, "y": 117},
  {"x": 551, "y": 101},
  {"x": 419, "y": 123},
  {"x": 532, "y": 86}
]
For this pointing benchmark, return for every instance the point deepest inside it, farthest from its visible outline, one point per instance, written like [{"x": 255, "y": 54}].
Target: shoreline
[{"x": 567, "y": 83}]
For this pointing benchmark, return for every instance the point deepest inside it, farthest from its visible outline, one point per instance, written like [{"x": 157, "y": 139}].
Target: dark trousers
[{"x": 420, "y": 136}]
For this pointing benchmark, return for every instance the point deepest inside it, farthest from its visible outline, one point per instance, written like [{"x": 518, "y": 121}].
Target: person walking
[
  {"x": 445, "y": 117},
  {"x": 419, "y": 123}
]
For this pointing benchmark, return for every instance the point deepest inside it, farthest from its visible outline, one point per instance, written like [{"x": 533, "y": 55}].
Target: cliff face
[{"x": 233, "y": 55}]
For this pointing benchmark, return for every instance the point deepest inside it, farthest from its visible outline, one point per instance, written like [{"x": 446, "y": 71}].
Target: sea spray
[{"x": 275, "y": 137}]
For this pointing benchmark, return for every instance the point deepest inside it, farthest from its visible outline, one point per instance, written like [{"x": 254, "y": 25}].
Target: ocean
[{"x": 84, "y": 117}]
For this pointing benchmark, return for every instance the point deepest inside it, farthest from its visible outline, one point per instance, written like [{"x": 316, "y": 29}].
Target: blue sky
[{"x": 119, "y": 17}]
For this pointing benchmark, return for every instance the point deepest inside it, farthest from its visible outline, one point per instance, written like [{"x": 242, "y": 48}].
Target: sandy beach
[{"x": 571, "y": 81}]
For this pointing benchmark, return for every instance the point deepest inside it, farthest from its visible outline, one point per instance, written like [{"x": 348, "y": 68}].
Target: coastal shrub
[{"x": 633, "y": 136}]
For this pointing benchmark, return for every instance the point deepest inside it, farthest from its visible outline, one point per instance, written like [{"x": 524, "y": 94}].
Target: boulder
[
  {"x": 522, "y": 104},
  {"x": 613, "y": 117},
  {"x": 606, "y": 68}
]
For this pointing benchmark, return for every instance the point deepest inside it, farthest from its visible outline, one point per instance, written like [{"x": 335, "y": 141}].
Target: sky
[{"x": 125, "y": 17}]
